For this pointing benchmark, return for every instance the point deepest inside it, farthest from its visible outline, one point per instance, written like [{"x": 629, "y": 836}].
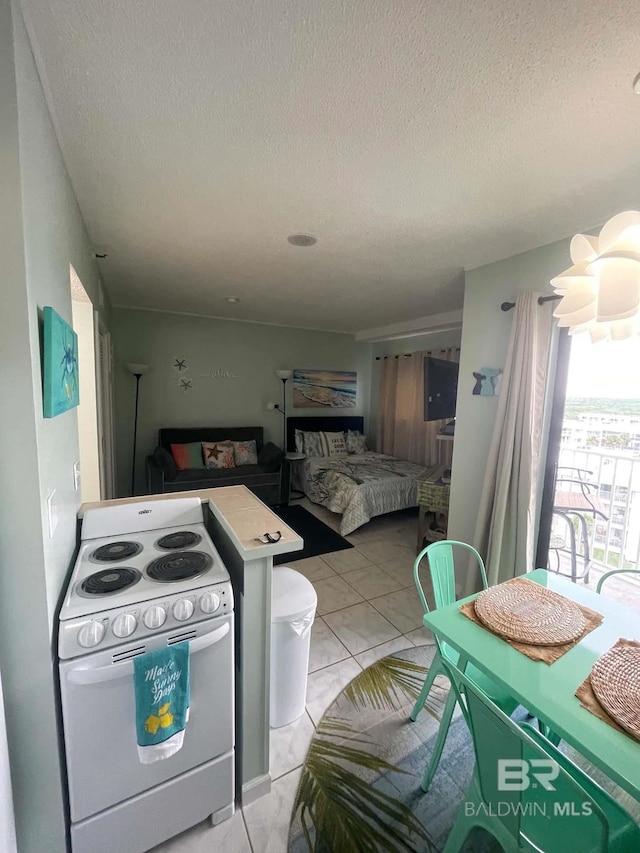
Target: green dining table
[{"x": 548, "y": 690}]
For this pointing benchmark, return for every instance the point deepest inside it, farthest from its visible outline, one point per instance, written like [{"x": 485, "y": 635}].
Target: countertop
[{"x": 239, "y": 511}]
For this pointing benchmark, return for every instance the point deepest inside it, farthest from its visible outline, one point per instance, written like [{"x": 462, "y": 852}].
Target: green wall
[
  {"x": 42, "y": 233},
  {"x": 485, "y": 337},
  {"x": 250, "y": 351}
]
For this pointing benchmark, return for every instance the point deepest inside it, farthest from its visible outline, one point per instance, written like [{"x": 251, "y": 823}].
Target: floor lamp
[
  {"x": 137, "y": 370},
  {"x": 285, "y": 375}
]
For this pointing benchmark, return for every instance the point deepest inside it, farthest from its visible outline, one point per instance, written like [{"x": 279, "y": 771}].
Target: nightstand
[
  {"x": 433, "y": 499},
  {"x": 294, "y": 460}
]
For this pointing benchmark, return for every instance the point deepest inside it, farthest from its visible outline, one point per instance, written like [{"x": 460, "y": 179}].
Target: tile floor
[{"x": 367, "y": 608}]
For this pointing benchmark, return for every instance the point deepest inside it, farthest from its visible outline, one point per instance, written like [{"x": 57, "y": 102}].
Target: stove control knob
[
  {"x": 209, "y": 602},
  {"x": 91, "y": 634},
  {"x": 124, "y": 625},
  {"x": 155, "y": 617},
  {"x": 183, "y": 609}
]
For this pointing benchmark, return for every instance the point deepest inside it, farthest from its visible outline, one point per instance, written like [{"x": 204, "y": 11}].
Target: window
[{"x": 621, "y": 493}]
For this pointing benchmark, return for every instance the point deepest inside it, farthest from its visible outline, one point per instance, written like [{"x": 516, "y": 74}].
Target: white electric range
[{"x": 147, "y": 575}]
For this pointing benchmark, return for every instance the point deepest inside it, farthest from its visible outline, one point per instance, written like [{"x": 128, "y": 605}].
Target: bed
[{"x": 358, "y": 486}]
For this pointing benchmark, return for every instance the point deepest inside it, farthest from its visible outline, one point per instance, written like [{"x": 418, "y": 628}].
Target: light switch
[
  {"x": 52, "y": 511},
  {"x": 76, "y": 474}
]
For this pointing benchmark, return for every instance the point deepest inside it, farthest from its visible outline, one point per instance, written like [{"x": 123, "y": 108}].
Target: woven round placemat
[
  {"x": 615, "y": 680},
  {"x": 529, "y": 613}
]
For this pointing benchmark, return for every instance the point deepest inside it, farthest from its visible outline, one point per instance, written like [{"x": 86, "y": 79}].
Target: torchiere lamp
[
  {"x": 137, "y": 370},
  {"x": 285, "y": 375}
]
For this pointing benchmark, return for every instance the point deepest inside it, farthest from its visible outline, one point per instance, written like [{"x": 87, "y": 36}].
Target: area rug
[
  {"x": 359, "y": 789},
  {"x": 318, "y": 537}
]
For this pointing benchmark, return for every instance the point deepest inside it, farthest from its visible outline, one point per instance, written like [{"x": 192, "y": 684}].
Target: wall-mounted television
[{"x": 440, "y": 388}]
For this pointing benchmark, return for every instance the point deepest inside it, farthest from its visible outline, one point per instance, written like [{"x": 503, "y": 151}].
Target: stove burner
[
  {"x": 108, "y": 581},
  {"x": 178, "y": 567},
  {"x": 114, "y": 551},
  {"x": 179, "y": 540}
]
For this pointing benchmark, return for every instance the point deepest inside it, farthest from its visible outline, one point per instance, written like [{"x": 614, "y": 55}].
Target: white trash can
[{"x": 293, "y": 608}]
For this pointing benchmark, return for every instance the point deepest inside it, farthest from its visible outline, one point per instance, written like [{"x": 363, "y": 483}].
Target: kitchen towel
[{"x": 161, "y": 682}]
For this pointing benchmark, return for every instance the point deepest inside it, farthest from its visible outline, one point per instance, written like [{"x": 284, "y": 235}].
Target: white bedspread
[{"x": 361, "y": 486}]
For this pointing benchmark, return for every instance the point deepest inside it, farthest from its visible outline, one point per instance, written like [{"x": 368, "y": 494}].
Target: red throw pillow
[{"x": 187, "y": 455}]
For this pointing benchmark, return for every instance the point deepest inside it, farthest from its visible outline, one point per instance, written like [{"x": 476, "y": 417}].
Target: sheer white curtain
[
  {"x": 505, "y": 530},
  {"x": 402, "y": 430}
]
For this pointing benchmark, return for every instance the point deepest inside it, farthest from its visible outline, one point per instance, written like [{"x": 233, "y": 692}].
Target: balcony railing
[{"x": 614, "y": 541}]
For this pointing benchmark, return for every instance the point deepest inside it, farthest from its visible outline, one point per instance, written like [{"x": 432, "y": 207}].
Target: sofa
[{"x": 266, "y": 479}]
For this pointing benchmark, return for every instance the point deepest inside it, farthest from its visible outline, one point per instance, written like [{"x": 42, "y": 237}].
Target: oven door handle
[{"x": 98, "y": 674}]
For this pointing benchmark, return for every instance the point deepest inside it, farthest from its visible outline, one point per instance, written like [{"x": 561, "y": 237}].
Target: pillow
[
  {"x": 245, "y": 452},
  {"x": 311, "y": 445},
  {"x": 166, "y": 463},
  {"x": 271, "y": 456},
  {"x": 332, "y": 443},
  {"x": 299, "y": 436},
  {"x": 218, "y": 454},
  {"x": 187, "y": 455},
  {"x": 356, "y": 442}
]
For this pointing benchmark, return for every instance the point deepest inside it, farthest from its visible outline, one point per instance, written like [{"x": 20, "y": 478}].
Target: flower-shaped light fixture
[{"x": 601, "y": 291}]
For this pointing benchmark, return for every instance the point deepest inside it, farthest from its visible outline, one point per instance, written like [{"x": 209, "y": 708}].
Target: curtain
[
  {"x": 402, "y": 430},
  {"x": 505, "y": 529}
]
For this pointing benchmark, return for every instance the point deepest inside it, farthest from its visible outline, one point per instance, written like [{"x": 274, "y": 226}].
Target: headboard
[{"x": 321, "y": 423}]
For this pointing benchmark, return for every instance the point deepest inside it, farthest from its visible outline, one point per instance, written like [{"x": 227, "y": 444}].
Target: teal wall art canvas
[{"x": 60, "y": 358}]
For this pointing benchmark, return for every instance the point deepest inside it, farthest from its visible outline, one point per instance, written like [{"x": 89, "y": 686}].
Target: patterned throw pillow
[
  {"x": 218, "y": 454},
  {"x": 311, "y": 445},
  {"x": 356, "y": 442},
  {"x": 245, "y": 452},
  {"x": 187, "y": 455},
  {"x": 332, "y": 443}
]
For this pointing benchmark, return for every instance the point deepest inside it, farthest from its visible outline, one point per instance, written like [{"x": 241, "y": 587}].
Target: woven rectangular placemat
[
  {"x": 589, "y": 701},
  {"x": 546, "y": 654}
]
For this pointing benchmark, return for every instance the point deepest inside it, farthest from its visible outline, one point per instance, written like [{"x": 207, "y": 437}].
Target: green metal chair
[
  {"x": 607, "y": 575},
  {"x": 551, "y": 805},
  {"x": 441, "y": 570}
]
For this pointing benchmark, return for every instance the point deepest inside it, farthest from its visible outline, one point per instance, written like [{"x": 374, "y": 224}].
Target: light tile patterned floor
[{"x": 367, "y": 608}]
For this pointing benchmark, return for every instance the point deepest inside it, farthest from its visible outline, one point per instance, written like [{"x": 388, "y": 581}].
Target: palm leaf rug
[{"x": 360, "y": 791}]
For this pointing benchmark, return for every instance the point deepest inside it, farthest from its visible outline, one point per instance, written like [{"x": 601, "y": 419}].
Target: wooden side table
[{"x": 433, "y": 499}]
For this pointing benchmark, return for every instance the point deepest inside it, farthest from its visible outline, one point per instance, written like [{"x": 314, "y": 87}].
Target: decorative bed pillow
[
  {"x": 332, "y": 443},
  {"x": 218, "y": 454},
  {"x": 299, "y": 436},
  {"x": 188, "y": 455},
  {"x": 245, "y": 452},
  {"x": 356, "y": 442},
  {"x": 311, "y": 445}
]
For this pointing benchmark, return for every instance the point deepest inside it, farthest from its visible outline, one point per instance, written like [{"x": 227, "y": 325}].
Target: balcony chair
[
  {"x": 578, "y": 504},
  {"x": 574, "y": 814},
  {"x": 607, "y": 575}
]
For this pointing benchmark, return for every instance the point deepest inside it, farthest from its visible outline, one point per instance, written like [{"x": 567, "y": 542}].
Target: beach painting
[{"x": 315, "y": 389}]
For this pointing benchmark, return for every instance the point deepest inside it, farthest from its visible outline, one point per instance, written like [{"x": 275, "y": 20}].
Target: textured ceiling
[{"x": 414, "y": 139}]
